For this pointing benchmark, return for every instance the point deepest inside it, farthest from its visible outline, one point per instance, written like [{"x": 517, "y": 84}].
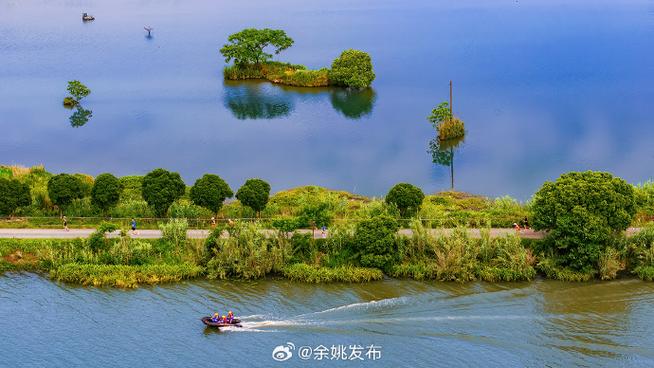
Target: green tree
[
  {"x": 254, "y": 194},
  {"x": 352, "y": 69},
  {"x": 78, "y": 90},
  {"x": 248, "y": 46},
  {"x": 210, "y": 191},
  {"x": 583, "y": 212},
  {"x": 63, "y": 189},
  {"x": 406, "y": 197},
  {"x": 160, "y": 188},
  {"x": 375, "y": 243},
  {"x": 106, "y": 191},
  {"x": 13, "y": 194},
  {"x": 440, "y": 114}
]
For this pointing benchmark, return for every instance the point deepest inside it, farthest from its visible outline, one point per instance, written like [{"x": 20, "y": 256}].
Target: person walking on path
[
  {"x": 213, "y": 222},
  {"x": 133, "y": 223},
  {"x": 65, "y": 223}
]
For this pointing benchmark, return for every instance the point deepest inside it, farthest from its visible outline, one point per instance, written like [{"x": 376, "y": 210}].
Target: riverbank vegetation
[
  {"x": 583, "y": 214},
  {"x": 247, "y": 49}
]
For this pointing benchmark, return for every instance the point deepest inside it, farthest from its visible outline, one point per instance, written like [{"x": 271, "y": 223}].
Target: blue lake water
[
  {"x": 414, "y": 324},
  {"x": 544, "y": 87}
]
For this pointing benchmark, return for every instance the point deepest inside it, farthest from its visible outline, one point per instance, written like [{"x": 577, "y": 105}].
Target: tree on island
[
  {"x": 78, "y": 91},
  {"x": 63, "y": 189},
  {"x": 447, "y": 126},
  {"x": 406, "y": 197},
  {"x": 254, "y": 194},
  {"x": 106, "y": 192},
  {"x": 160, "y": 188},
  {"x": 352, "y": 69},
  {"x": 247, "y": 46},
  {"x": 210, "y": 191},
  {"x": 583, "y": 213},
  {"x": 13, "y": 194}
]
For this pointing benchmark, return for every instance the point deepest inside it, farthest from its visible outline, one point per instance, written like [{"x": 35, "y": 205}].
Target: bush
[
  {"x": 353, "y": 68},
  {"x": 247, "y": 254},
  {"x": 311, "y": 274},
  {"x": 210, "y": 191},
  {"x": 451, "y": 129},
  {"x": 98, "y": 242},
  {"x": 583, "y": 212},
  {"x": 105, "y": 192},
  {"x": 13, "y": 194},
  {"x": 70, "y": 102},
  {"x": 406, "y": 197},
  {"x": 63, "y": 189},
  {"x": 374, "y": 241},
  {"x": 254, "y": 194},
  {"x": 161, "y": 188}
]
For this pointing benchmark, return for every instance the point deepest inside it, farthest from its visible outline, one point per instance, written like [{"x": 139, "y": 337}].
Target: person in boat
[
  {"x": 230, "y": 317},
  {"x": 215, "y": 318},
  {"x": 224, "y": 320}
]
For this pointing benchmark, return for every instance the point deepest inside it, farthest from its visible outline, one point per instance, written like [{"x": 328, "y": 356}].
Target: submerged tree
[
  {"x": 447, "y": 126},
  {"x": 248, "y": 46},
  {"x": 78, "y": 90},
  {"x": 353, "y": 68}
]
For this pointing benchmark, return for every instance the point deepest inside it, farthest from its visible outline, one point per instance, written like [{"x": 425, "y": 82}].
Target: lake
[
  {"x": 412, "y": 324},
  {"x": 544, "y": 87}
]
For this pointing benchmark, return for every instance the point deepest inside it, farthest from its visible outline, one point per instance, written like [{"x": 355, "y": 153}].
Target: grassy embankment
[{"x": 281, "y": 73}]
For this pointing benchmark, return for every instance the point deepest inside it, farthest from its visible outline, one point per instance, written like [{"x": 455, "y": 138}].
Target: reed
[
  {"x": 313, "y": 274},
  {"x": 123, "y": 276}
]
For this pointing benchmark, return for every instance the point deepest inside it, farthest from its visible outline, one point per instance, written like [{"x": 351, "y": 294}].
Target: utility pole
[{"x": 451, "y": 114}]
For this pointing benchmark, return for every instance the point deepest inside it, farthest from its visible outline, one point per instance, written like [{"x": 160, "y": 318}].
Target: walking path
[{"x": 201, "y": 234}]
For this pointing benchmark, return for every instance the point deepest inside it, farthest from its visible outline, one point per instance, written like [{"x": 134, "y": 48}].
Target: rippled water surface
[
  {"x": 544, "y": 87},
  {"x": 416, "y": 324}
]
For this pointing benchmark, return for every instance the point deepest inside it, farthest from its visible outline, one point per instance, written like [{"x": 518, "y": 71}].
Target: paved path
[{"x": 201, "y": 234}]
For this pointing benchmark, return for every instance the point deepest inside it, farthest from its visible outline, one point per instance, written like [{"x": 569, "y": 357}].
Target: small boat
[
  {"x": 235, "y": 323},
  {"x": 87, "y": 18}
]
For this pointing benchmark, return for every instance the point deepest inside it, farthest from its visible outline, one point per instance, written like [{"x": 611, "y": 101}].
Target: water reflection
[
  {"x": 264, "y": 100},
  {"x": 353, "y": 104},
  {"x": 80, "y": 117},
  {"x": 442, "y": 153},
  {"x": 248, "y": 100}
]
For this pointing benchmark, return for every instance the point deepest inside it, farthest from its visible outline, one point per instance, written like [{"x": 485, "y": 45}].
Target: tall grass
[
  {"x": 247, "y": 253},
  {"x": 123, "y": 276},
  {"x": 458, "y": 257},
  {"x": 312, "y": 274},
  {"x": 282, "y": 73}
]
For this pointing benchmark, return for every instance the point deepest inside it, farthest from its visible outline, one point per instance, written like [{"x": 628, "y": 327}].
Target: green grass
[
  {"x": 553, "y": 271},
  {"x": 282, "y": 73},
  {"x": 312, "y": 274},
  {"x": 124, "y": 276}
]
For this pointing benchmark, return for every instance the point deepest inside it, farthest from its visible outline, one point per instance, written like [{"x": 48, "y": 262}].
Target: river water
[
  {"x": 544, "y": 87},
  {"x": 412, "y": 324}
]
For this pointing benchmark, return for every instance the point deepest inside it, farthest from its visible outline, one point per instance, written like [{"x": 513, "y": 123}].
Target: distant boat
[
  {"x": 149, "y": 30},
  {"x": 87, "y": 18}
]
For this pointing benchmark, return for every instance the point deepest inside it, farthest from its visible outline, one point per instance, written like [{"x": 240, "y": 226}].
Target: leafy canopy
[
  {"x": 248, "y": 46},
  {"x": 375, "y": 242},
  {"x": 106, "y": 191},
  {"x": 406, "y": 197},
  {"x": 78, "y": 90},
  {"x": 210, "y": 191},
  {"x": 254, "y": 194},
  {"x": 13, "y": 194},
  {"x": 352, "y": 69},
  {"x": 63, "y": 189},
  {"x": 583, "y": 211},
  {"x": 160, "y": 188}
]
